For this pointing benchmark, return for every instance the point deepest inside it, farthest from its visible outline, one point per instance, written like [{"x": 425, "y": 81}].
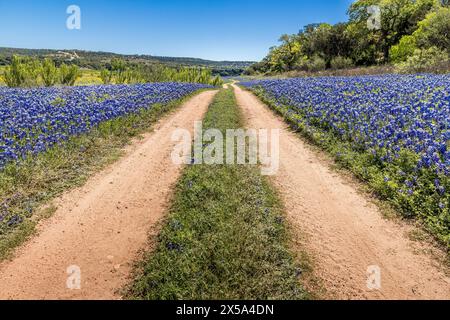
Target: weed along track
[{"x": 98, "y": 229}]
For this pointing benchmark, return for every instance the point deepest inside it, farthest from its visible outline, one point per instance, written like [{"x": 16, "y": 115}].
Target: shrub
[
  {"x": 49, "y": 73},
  {"x": 425, "y": 60},
  {"x": 15, "y": 75},
  {"x": 341, "y": 63},
  {"x": 23, "y": 72},
  {"x": 316, "y": 64},
  {"x": 106, "y": 76},
  {"x": 313, "y": 64},
  {"x": 69, "y": 74}
]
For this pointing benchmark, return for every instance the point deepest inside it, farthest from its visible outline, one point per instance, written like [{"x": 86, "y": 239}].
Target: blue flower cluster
[
  {"x": 33, "y": 120},
  {"x": 380, "y": 114},
  {"x": 392, "y": 131}
]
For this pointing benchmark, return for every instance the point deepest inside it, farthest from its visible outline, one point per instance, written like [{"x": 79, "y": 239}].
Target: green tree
[
  {"x": 404, "y": 49},
  {"x": 434, "y": 30},
  {"x": 398, "y": 18},
  {"x": 285, "y": 56}
]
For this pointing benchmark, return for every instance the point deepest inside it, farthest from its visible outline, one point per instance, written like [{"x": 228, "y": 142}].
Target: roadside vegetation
[
  {"x": 32, "y": 72},
  {"x": 225, "y": 235},
  {"x": 26, "y": 186},
  {"x": 119, "y": 72},
  {"x": 28, "y": 72},
  {"x": 412, "y": 36},
  {"x": 402, "y": 153}
]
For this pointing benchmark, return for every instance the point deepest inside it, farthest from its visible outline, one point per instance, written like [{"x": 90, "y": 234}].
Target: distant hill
[{"x": 98, "y": 60}]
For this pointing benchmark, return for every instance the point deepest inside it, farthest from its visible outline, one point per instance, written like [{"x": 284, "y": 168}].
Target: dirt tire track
[
  {"x": 102, "y": 226},
  {"x": 339, "y": 228}
]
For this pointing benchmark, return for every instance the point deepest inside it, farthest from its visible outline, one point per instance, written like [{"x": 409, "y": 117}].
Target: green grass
[
  {"x": 89, "y": 77},
  {"x": 25, "y": 187},
  {"x": 225, "y": 235}
]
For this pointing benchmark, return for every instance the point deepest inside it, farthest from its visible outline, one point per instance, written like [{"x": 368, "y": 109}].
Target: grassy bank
[
  {"x": 224, "y": 237},
  {"x": 26, "y": 186}
]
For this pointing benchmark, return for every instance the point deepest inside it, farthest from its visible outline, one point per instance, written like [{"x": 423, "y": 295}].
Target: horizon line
[{"x": 128, "y": 54}]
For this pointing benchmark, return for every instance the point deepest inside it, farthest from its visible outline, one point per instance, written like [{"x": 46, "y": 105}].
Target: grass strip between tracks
[{"x": 225, "y": 235}]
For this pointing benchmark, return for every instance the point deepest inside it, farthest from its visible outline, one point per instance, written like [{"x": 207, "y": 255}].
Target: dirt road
[
  {"x": 340, "y": 229},
  {"x": 101, "y": 227}
]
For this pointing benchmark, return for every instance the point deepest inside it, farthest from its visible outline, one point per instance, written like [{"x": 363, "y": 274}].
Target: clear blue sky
[{"x": 214, "y": 29}]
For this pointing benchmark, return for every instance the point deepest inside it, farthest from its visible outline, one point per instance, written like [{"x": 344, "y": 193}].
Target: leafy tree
[
  {"x": 291, "y": 50},
  {"x": 434, "y": 30},
  {"x": 364, "y": 47},
  {"x": 398, "y": 18},
  {"x": 402, "y": 27},
  {"x": 284, "y": 57},
  {"x": 325, "y": 41},
  {"x": 404, "y": 49}
]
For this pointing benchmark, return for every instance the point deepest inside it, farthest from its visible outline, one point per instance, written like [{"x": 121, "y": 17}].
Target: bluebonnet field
[
  {"x": 392, "y": 131},
  {"x": 33, "y": 120}
]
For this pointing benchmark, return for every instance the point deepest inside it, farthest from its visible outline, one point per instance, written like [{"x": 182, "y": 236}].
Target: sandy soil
[
  {"x": 102, "y": 226},
  {"x": 342, "y": 231}
]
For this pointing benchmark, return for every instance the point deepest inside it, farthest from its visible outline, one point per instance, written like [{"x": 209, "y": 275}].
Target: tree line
[
  {"x": 414, "y": 35},
  {"x": 99, "y": 60}
]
